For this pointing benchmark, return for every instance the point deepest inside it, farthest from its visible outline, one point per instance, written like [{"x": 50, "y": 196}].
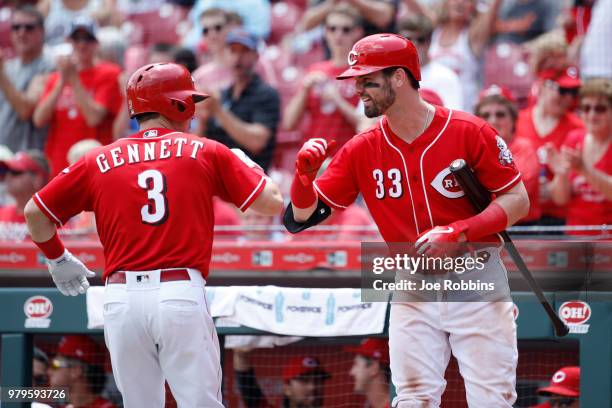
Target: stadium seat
[
  {"x": 5, "y": 28},
  {"x": 505, "y": 65},
  {"x": 285, "y": 17},
  {"x": 165, "y": 25}
]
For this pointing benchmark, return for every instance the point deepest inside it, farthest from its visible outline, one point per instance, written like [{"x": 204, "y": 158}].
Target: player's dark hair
[
  {"x": 387, "y": 72},
  {"x": 143, "y": 117},
  {"x": 32, "y": 12},
  {"x": 96, "y": 377}
]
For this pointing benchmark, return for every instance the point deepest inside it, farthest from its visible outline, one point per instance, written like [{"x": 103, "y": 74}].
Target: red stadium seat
[
  {"x": 506, "y": 65},
  {"x": 285, "y": 17},
  {"x": 160, "y": 26},
  {"x": 5, "y": 28}
]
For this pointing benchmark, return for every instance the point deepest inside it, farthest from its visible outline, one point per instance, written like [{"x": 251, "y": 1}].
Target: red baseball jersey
[
  {"x": 526, "y": 129},
  {"x": 408, "y": 187},
  {"x": 326, "y": 119},
  {"x": 152, "y": 197},
  {"x": 588, "y": 206},
  {"x": 68, "y": 125}
]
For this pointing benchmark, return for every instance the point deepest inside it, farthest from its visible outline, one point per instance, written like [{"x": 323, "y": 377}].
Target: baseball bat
[{"x": 480, "y": 199}]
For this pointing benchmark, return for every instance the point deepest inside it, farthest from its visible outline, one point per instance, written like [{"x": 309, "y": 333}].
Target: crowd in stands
[{"x": 539, "y": 71}]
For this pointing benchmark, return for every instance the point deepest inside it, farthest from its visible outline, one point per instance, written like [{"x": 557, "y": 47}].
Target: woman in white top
[{"x": 459, "y": 41}]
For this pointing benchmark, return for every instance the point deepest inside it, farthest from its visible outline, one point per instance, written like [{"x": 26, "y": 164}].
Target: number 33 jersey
[
  {"x": 408, "y": 187},
  {"x": 152, "y": 196}
]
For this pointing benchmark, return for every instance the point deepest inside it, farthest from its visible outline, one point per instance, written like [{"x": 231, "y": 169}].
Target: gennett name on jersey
[{"x": 149, "y": 151}]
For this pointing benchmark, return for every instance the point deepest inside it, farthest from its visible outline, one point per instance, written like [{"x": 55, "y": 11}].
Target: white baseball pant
[
  {"x": 481, "y": 335},
  {"x": 157, "y": 331}
]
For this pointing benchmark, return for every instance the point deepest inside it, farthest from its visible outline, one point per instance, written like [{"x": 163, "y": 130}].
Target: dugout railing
[{"x": 69, "y": 316}]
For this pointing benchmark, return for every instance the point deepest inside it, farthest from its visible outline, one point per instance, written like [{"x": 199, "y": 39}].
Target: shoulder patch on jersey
[
  {"x": 150, "y": 133},
  {"x": 446, "y": 184},
  {"x": 505, "y": 156}
]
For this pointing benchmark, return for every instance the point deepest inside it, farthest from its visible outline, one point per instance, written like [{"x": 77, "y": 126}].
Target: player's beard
[{"x": 379, "y": 107}]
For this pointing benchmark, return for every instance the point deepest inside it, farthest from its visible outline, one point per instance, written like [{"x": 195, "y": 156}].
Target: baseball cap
[
  {"x": 84, "y": 23},
  {"x": 82, "y": 348},
  {"x": 240, "y": 36},
  {"x": 567, "y": 78},
  {"x": 497, "y": 90},
  {"x": 304, "y": 365},
  {"x": 374, "y": 348},
  {"x": 431, "y": 96},
  {"x": 29, "y": 160},
  {"x": 565, "y": 382}
]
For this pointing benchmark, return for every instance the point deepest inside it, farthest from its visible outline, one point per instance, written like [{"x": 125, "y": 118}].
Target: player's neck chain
[{"x": 427, "y": 119}]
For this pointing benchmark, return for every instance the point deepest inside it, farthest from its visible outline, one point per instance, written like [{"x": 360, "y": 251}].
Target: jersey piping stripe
[
  {"x": 416, "y": 222},
  {"x": 327, "y": 198},
  {"x": 148, "y": 138},
  {"x": 252, "y": 194},
  {"x": 47, "y": 209},
  {"x": 450, "y": 114},
  {"x": 507, "y": 184}
]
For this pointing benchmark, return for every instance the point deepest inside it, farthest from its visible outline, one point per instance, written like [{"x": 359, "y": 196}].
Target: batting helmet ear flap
[{"x": 180, "y": 105}]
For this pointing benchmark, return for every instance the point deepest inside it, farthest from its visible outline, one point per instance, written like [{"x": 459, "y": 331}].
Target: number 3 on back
[{"x": 156, "y": 211}]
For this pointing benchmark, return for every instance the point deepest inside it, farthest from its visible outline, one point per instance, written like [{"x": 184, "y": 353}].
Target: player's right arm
[{"x": 63, "y": 197}]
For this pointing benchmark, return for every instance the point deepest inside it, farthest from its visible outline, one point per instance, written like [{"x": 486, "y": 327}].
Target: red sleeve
[
  {"x": 66, "y": 195},
  {"x": 337, "y": 187},
  {"x": 493, "y": 163},
  {"x": 51, "y": 80},
  {"x": 239, "y": 182},
  {"x": 108, "y": 92}
]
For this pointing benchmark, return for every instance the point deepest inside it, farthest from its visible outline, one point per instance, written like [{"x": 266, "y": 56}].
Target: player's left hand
[
  {"x": 438, "y": 240},
  {"x": 69, "y": 274}
]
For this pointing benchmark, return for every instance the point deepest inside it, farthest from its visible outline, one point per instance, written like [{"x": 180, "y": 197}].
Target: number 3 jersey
[
  {"x": 408, "y": 187},
  {"x": 152, "y": 197}
]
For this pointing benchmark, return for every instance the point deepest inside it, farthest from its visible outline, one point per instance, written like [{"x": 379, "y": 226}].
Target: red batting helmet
[
  {"x": 380, "y": 51},
  {"x": 163, "y": 88}
]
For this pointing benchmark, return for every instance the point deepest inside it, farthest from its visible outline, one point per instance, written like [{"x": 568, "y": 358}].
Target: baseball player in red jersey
[
  {"x": 152, "y": 197},
  {"x": 400, "y": 166}
]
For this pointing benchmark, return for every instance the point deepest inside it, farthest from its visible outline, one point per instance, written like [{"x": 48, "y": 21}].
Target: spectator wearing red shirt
[
  {"x": 546, "y": 125},
  {"x": 79, "y": 366},
  {"x": 497, "y": 106},
  {"x": 330, "y": 104},
  {"x": 563, "y": 390},
  {"x": 370, "y": 371},
  {"x": 25, "y": 174},
  {"x": 81, "y": 100},
  {"x": 583, "y": 168}
]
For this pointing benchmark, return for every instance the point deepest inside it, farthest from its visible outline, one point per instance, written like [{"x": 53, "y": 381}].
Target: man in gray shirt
[{"x": 21, "y": 82}]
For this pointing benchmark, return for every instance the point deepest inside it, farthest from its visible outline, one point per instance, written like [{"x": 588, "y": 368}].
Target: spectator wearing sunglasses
[
  {"x": 215, "y": 73},
  {"x": 24, "y": 174},
  {"x": 434, "y": 75},
  {"x": 498, "y": 107},
  {"x": 22, "y": 81},
  {"x": 563, "y": 390},
  {"x": 583, "y": 167},
  {"x": 546, "y": 124},
  {"x": 79, "y": 366},
  {"x": 378, "y": 15},
  {"x": 329, "y": 104},
  {"x": 81, "y": 100}
]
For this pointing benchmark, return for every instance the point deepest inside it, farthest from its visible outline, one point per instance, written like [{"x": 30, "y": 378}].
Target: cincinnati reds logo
[
  {"x": 558, "y": 377},
  {"x": 446, "y": 184},
  {"x": 352, "y": 57}
]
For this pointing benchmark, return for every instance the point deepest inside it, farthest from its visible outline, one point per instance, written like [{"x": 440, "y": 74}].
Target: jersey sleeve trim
[
  {"x": 509, "y": 184},
  {"x": 45, "y": 210},
  {"x": 327, "y": 200},
  {"x": 249, "y": 200}
]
